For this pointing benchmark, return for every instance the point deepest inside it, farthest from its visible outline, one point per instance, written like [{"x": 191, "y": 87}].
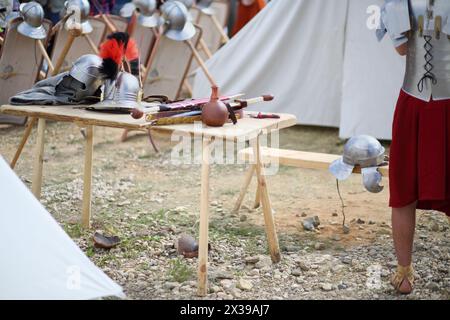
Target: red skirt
[{"x": 419, "y": 166}]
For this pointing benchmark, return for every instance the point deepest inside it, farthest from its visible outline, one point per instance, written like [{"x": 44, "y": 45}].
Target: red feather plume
[{"x": 112, "y": 49}]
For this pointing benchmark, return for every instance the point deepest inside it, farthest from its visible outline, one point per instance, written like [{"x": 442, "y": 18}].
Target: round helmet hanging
[
  {"x": 188, "y": 4},
  {"x": 123, "y": 93},
  {"x": 367, "y": 153},
  {"x": 147, "y": 13},
  {"x": 176, "y": 22},
  {"x": 33, "y": 16},
  {"x": 81, "y": 9}
]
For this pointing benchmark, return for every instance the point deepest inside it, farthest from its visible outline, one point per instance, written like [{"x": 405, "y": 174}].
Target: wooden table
[{"x": 248, "y": 129}]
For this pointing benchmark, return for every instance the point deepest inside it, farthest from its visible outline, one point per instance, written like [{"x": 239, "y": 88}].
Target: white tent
[
  {"x": 38, "y": 260},
  {"x": 320, "y": 60}
]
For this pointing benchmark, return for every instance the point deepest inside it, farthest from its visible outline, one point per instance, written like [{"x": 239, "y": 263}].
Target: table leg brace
[{"x": 272, "y": 237}]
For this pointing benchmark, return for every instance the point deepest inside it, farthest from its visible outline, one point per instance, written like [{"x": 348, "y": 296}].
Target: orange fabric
[
  {"x": 112, "y": 49},
  {"x": 246, "y": 13}
]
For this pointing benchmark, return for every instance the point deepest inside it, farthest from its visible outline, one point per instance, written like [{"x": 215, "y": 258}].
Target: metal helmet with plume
[{"x": 121, "y": 93}]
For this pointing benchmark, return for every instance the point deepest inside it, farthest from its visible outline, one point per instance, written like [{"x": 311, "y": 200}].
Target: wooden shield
[
  {"x": 20, "y": 63},
  {"x": 80, "y": 46},
  {"x": 168, "y": 66}
]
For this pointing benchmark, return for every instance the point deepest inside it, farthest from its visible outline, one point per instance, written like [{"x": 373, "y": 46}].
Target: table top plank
[
  {"x": 246, "y": 127},
  {"x": 75, "y": 114}
]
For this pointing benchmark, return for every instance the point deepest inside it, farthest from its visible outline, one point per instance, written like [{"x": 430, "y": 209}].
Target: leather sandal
[{"x": 401, "y": 275}]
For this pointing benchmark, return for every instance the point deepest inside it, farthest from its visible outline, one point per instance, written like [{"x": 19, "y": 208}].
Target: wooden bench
[{"x": 290, "y": 158}]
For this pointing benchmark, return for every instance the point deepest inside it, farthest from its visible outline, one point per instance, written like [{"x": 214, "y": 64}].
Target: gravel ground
[{"x": 148, "y": 202}]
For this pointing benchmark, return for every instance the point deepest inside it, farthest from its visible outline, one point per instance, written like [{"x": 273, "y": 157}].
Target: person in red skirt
[
  {"x": 420, "y": 150},
  {"x": 247, "y": 10}
]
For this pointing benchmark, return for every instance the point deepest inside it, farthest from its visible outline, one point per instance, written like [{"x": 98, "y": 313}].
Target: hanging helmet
[
  {"x": 147, "y": 13},
  {"x": 176, "y": 22},
  {"x": 188, "y": 4},
  {"x": 87, "y": 71},
  {"x": 205, "y": 6},
  {"x": 6, "y": 7},
  {"x": 127, "y": 10},
  {"x": 33, "y": 16},
  {"x": 363, "y": 151},
  {"x": 120, "y": 94},
  {"x": 81, "y": 15}
]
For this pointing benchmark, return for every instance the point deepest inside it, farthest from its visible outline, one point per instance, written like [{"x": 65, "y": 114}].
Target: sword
[
  {"x": 186, "y": 105},
  {"x": 183, "y": 117}
]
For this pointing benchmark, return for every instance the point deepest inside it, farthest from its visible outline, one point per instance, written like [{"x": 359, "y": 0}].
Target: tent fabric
[
  {"x": 39, "y": 261},
  {"x": 320, "y": 61}
]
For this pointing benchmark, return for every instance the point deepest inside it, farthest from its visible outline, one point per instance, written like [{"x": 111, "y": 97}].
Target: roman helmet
[
  {"x": 81, "y": 9},
  {"x": 205, "y": 6},
  {"x": 87, "y": 70},
  {"x": 33, "y": 16},
  {"x": 367, "y": 153},
  {"x": 120, "y": 94},
  {"x": 6, "y": 7},
  {"x": 176, "y": 21}
]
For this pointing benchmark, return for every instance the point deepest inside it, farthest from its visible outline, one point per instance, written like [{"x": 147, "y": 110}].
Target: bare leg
[{"x": 403, "y": 228}]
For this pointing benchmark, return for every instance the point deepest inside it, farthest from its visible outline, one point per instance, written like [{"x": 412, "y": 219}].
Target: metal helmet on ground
[
  {"x": 363, "y": 151},
  {"x": 33, "y": 16},
  {"x": 6, "y": 7},
  {"x": 176, "y": 21},
  {"x": 205, "y": 6},
  {"x": 86, "y": 70},
  {"x": 81, "y": 9},
  {"x": 123, "y": 93}
]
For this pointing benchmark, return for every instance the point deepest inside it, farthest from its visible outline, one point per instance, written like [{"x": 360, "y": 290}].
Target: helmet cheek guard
[{"x": 372, "y": 179}]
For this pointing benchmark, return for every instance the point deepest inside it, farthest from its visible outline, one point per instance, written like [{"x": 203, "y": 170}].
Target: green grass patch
[
  {"x": 73, "y": 230},
  {"x": 180, "y": 271}
]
